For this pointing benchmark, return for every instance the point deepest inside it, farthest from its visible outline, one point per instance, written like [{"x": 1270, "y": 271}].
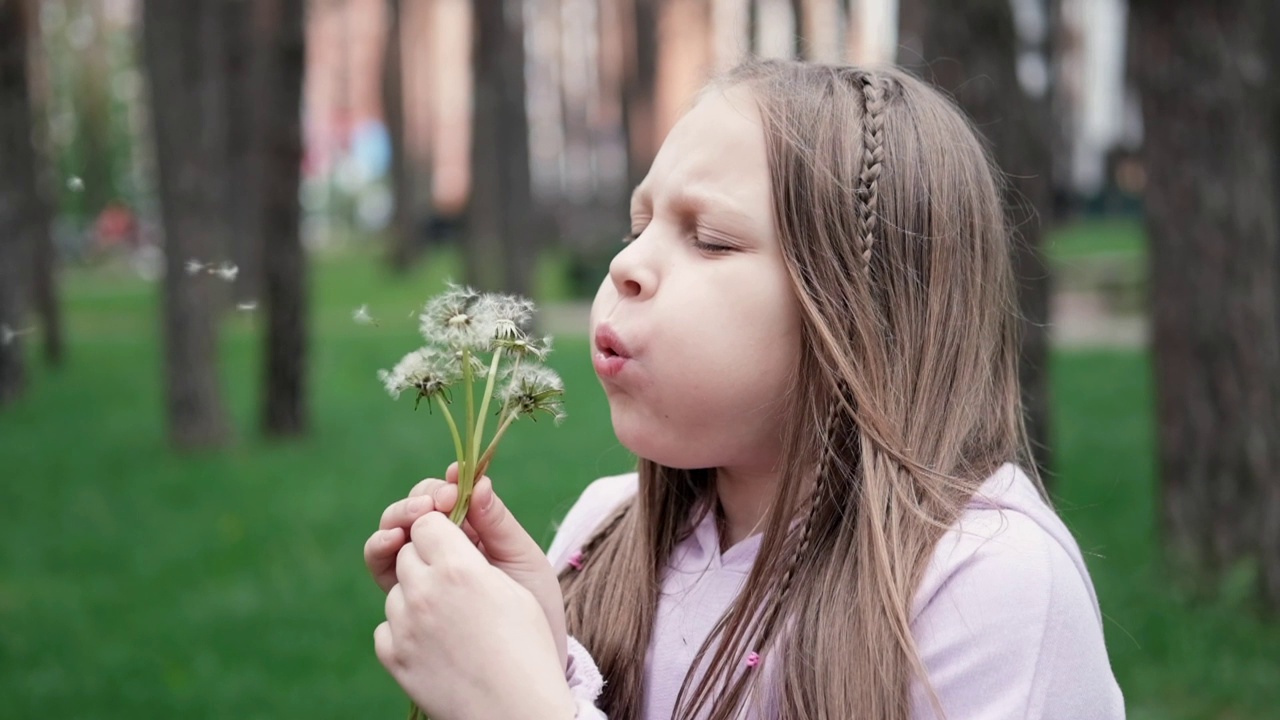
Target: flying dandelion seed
[
  {"x": 248, "y": 306},
  {"x": 194, "y": 267},
  {"x": 8, "y": 334},
  {"x": 362, "y": 316},
  {"x": 75, "y": 184},
  {"x": 226, "y": 271}
]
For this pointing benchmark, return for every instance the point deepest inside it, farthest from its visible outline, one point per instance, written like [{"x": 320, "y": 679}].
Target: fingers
[
  {"x": 380, "y": 555},
  {"x": 435, "y": 538},
  {"x": 384, "y": 646},
  {"x": 431, "y": 495},
  {"x": 503, "y": 537}
]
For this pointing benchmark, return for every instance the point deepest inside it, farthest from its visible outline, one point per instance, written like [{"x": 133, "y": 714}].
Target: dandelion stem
[
  {"x": 493, "y": 445},
  {"x": 453, "y": 428},
  {"x": 484, "y": 405}
]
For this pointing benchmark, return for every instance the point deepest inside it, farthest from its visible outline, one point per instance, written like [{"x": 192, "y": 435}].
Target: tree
[
  {"x": 970, "y": 51},
  {"x": 1209, "y": 150},
  {"x": 279, "y": 38},
  {"x": 404, "y": 248},
  {"x": 243, "y": 183},
  {"x": 17, "y": 187},
  {"x": 44, "y": 283},
  {"x": 183, "y": 52},
  {"x": 502, "y": 244}
]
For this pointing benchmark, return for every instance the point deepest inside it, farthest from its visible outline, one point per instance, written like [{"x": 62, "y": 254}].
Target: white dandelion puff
[
  {"x": 8, "y": 334},
  {"x": 247, "y": 306},
  {"x": 532, "y": 388},
  {"x": 226, "y": 271},
  {"x": 75, "y": 184},
  {"x": 426, "y": 370},
  {"x": 508, "y": 313},
  {"x": 455, "y": 319},
  {"x": 194, "y": 267},
  {"x": 527, "y": 347},
  {"x": 362, "y": 317}
]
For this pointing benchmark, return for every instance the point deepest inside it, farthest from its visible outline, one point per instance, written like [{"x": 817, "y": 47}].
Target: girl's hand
[
  {"x": 490, "y": 526},
  {"x": 462, "y": 638}
]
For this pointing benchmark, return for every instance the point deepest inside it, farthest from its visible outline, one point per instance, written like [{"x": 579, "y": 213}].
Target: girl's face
[{"x": 696, "y": 329}]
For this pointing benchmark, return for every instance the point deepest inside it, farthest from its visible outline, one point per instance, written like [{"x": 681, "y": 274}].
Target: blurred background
[{"x": 217, "y": 216}]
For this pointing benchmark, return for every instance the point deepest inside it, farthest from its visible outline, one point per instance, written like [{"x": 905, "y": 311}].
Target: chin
[{"x": 660, "y": 444}]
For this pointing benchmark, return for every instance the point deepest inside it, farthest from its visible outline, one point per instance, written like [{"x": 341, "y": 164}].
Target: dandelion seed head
[
  {"x": 527, "y": 347},
  {"x": 226, "y": 271},
  {"x": 533, "y": 388},
  {"x": 510, "y": 315},
  {"x": 426, "y": 370},
  {"x": 454, "y": 319},
  {"x": 361, "y": 316}
]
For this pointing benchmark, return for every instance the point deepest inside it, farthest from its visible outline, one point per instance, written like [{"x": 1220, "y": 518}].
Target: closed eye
[{"x": 712, "y": 247}]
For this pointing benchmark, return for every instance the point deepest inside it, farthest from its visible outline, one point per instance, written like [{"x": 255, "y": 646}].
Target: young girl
[{"x": 810, "y": 341}]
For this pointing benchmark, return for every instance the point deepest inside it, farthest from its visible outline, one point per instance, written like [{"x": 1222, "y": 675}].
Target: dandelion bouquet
[{"x": 475, "y": 339}]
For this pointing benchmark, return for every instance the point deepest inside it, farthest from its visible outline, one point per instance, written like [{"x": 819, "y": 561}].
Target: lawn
[{"x": 135, "y": 582}]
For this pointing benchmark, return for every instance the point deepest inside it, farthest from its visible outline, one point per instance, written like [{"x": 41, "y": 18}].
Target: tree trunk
[
  {"x": 502, "y": 247},
  {"x": 1209, "y": 151},
  {"x": 403, "y": 242},
  {"x": 280, "y": 46},
  {"x": 44, "y": 284},
  {"x": 243, "y": 182},
  {"x": 17, "y": 188},
  {"x": 640, "y": 77},
  {"x": 970, "y": 50},
  {"x": 93, "y": 110},
  {"x": 182, "y": 46}
]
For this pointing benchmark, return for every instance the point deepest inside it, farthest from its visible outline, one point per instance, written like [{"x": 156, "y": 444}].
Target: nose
[{"x": 632, "y": 270}]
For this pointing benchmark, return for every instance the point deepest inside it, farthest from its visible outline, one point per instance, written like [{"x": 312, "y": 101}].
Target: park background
[{"x": 190, "y": 462}]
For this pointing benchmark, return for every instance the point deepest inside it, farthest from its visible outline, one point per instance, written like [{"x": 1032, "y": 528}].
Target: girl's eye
[{"x": 711, "y": 247}]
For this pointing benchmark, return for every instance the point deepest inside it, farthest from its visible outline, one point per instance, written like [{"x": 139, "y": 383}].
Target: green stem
[
  {"x": 464, "y": 502},
  {"x": 453, "y": 428},
  {"x": 484, "y": 405}
]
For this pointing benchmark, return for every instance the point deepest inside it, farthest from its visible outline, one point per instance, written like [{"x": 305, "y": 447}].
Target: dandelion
[
  {"x": 509, "y": 315},
  {"x": 425, "y": 370},
  {"x": 194, "y": 267},
  {"x": 75, "y": 184},
  {"x": 8, "y": 334},
  {"x": 226, "y": 271},
  {"x": 362, "y": 317},
  {"x": 533, "y": 388},
  {"x": 459, "y": 320}
]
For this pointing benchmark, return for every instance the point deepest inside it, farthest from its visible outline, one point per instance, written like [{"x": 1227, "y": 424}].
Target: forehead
[{"x": 716, "y": 153}]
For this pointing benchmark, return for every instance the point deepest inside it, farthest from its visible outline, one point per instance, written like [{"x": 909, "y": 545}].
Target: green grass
[{"x": 136, "y": 582}]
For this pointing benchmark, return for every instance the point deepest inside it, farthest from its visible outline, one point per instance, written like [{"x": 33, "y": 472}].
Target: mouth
[{"x": 611, "y": 355}]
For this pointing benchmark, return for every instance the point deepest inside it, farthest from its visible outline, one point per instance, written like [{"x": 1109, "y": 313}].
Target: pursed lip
[
  {"x": 610, "y": 354},
  {"x": 609, "y": 344}
]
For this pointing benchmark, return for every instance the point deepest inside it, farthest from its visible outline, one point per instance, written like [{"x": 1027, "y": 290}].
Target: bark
[
  {"x": 502, "y": 246},
  {"x": 971, "y": 53},
  {"x": 44, "y": 282},
  {"x": 1209, "y": 148},
  {"x": 243, "y": 187},
  {"x": 17, "y": 187},
  {"x": 404, "y": 248},
  {"x": 280, "y": 46},
  {"x": 640, "y": 77},
  {"x": 182, "y": 47}
]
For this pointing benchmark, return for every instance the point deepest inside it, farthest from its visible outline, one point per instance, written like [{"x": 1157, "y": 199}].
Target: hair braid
[{"x": 872, "y": 160}]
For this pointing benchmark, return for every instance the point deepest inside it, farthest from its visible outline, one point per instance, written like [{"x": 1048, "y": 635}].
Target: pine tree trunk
[
  {"x": 280, "y": 46},
  {"x": 182, "y": 46},
  {"x": 1209, "y": 149},
  {"x": 17, "y": 188},
  {"x": 44, "y": 284},
  {"x": 969, "y": 50},
  {"x": 404, "y": 246},
  {"x": 502, "y": 247}
]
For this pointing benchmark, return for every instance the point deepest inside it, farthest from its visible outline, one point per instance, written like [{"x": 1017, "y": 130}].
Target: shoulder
[
  {"x": 1006, "y": 619},
  {"x": 596, "y": 502}
]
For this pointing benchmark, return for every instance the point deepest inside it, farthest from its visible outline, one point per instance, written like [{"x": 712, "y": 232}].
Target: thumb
[{"x": 505, "y": 540}]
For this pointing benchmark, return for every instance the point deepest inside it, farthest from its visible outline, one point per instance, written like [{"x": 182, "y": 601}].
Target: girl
[{"x": 809, "y": 340}]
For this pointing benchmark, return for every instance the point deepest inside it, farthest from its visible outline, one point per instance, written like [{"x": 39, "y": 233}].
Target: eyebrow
[{"x": 687, "y": 201}]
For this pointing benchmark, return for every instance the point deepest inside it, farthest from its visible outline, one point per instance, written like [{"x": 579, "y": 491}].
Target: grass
[{"x": 136, "y": 582}]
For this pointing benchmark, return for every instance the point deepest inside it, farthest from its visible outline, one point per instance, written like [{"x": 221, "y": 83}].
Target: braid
[{"x": 872, "y": 161}]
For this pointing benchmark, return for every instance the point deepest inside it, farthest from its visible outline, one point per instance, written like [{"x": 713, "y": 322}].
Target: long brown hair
[{"x": 905, "y": 399}]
